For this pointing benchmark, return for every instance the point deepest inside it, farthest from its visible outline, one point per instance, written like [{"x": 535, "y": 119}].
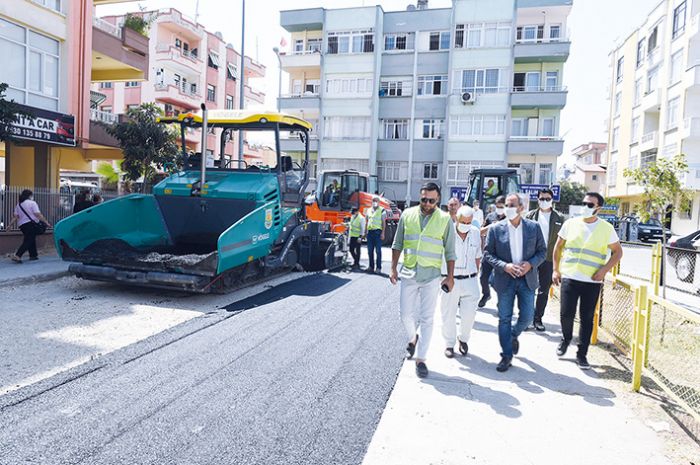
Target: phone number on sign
[{"x": 34, "y": 134}]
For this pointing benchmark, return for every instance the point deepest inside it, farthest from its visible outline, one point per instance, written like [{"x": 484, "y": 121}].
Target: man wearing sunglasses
[
  {"x": 587, "y": 248},
  {"x": 514, "y": 248},
  {"x": 425, "y": 234},
  {"x": 550, "y": 222}
]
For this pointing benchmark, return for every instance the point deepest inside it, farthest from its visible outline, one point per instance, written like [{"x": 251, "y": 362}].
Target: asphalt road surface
[{"x": 298, "y": 374}]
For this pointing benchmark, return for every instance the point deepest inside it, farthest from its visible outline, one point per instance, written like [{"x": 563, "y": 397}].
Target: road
[{"x": 297, "y": 374}]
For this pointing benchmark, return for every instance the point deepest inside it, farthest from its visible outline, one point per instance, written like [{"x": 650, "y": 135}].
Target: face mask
[
  {"x": 375, "y": 204},
  {"x": 500, "y": 211},
  {"x": 588, "y": 212},
  {"x": 545, "y": 204},
  {"x": 463, "y": 228},
  {"x": 511, "y": 213}
]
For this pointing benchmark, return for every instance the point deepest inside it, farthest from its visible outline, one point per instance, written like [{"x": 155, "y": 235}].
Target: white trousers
[
  {"x": 465, "y": 296},
  {"x": 417, "y": 307}
]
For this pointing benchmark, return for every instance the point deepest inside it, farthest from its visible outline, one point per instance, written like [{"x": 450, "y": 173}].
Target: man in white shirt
[
  {"x": 465, "y": 293},
  {"x": 478, "y": 220}
]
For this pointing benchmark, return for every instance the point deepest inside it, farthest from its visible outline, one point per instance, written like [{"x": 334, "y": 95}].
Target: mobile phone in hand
[{"x": 445, "y": 288}]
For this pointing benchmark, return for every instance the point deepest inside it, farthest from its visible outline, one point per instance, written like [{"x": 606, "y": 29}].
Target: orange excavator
[{"x": 338, "y": 192}]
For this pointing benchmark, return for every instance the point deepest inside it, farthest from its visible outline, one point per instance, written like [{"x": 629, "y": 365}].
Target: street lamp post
[
  {"x": 279, "y": 78},
  {"x": 242, "y": 93}
]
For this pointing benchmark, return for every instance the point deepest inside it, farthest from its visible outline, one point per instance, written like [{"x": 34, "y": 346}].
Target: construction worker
[
  {"x": 425, "y": 234},
  {"x": 357, "y": 233},
  {"x": 376, "y": 225}
]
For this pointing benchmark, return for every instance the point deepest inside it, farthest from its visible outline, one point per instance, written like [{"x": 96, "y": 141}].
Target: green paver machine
[{"x": 206, "y": 228}]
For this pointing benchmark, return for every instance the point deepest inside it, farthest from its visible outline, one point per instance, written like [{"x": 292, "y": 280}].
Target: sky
[{"x": 595, "y": 25}]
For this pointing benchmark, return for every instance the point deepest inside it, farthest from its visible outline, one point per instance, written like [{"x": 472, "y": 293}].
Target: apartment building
[
  {"x": 188, "y": 65},
  {"x": 655, "y": 103},
  {"x": 54, "y": 50},
  {"x": 430, "y": 94}
]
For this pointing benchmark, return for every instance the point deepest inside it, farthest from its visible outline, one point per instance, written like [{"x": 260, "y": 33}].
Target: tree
[
  {"x": 147, "y": 144},
  {"x": 109, "y": 174},
  {"x": 9, "y": 114},
  {"x": 571, "y": 193}
]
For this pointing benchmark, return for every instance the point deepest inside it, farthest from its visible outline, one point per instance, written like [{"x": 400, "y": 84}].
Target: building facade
[
  {"x": 55, "y": 50},
  {"x": 430, "y": 94},
  {"x": 188, "y": 66},
  {"x": 655, "y": 104}
]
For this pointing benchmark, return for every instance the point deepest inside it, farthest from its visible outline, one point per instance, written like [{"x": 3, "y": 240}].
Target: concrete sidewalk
[
  {"x": 542, "y": 411},
  {"x": 48, "y": 267}
]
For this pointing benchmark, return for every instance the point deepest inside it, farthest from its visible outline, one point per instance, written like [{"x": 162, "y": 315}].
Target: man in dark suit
[{"x": 514, "y": 248}]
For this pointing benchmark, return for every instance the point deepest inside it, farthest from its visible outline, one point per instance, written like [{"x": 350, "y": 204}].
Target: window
[
  {"x": 314, "y": 45},
  {"x": 478, "y": 81},
  {"x": 299, "y": 46},
  {"x": 391, "y": 171},
  {"x": 432, "y": 85},
  {"x": 439, "y": 41},
  {"x": 467, "y": 126},
  {"x": 525, "y": 170},
  {"x": 482, "y": 35},
  {"x": 229, "y": 102},
  {"x": 131, "y": 84},
  {"x": 312, "y": 86},
  {"x": 612, "y": 173},
  {"x": 397, "y": 42},
  {"x": 351, "y": 42},
  {"x": 653, "y": 40},
  {"x": 673, "y": 108},
  {"x": 395, "y": 129},
  {"x": 430, "y": 171},
  {"x": 555, "y": 33},
  {"x": 518, "y": 127},
  {"x": 530, "y": 33},
  {"x": 213, "y": 61},
  {"x": 546, "y": 171},
  {"x": 431, "y": 128},
  {"x": 211, "y": 93},
  {"x": 635, "y": 129},
  {"x": 395, "y": 88},
  {"x": 348, "y": 86},
  {"x": 615, "y": 139},
  {"x": 618, "y": 103},
  {"x": 670, "y": 150},
  {"x": 231, "y": 71},
  {"x": 620, "y": 68},
  {"x": 637, "y": 91},
  {"x": 548, "y": 127},
  {"x": 347, "y": 128},
  {"x": 178, "y": 43},
  {"x": 594, "y": 177},
  {"x": 552, "y": 81},
  {"x": 52, "y": 4},
  {"x": 646, "y": 159},
  {"x": 679, "y": 20},
  {"x": 675, "y": 73},
  {"x": 640, "y": 52},
  {"x": 32, "y": 72},
  {"x": 105, "y": 85},
  {"x": 652, "y": 80}
]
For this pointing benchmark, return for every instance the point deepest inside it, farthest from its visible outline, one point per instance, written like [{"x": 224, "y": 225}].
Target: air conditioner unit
[{"x": 468, "y": 98}]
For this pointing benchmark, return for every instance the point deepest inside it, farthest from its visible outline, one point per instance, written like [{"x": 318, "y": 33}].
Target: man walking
[
  {"x": 376, "y": 224},
  {"x": 478, "y": 220},
  {"x": 425, "y": 234},
  {"x": 492, "y": 218},
  {"x": 357, "y": 232},
  {"x": 465, "y": 293},
  {"x": 550, "y": 222},
  {"x": 514, "y": 248},
  {"x": 581, "y": 261},
  {"x": 452, "y": 207}
]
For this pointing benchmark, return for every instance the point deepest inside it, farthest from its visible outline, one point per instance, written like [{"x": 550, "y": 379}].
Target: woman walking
[{"x": 28, "y": 216}]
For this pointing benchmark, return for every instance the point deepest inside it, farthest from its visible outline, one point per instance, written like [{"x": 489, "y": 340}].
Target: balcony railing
[
  {"x": 302, "y": 52},
  {"x": 648, "y": 137},
  {"x": 183, "y": 89},
  {"x": 171, "y": 48},
  {"x": 540, "y": 89},
  {"x": 537, "y": 138},
  {"x": 108, "y": 27},
  {"x": 302, "y": 95},
  {"x": 103, "y": 116},
  {"x": 565, "y": 37}
]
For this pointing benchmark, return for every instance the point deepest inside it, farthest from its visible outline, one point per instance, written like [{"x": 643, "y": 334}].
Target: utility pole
[
  {"x": 279, "y": 77},
  {"x": 241, "y": 105}
]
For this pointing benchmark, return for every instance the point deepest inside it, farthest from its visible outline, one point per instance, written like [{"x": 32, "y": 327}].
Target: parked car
[
  {"x": 682, "y": 255},
  {"x": 652, "y": 230}
]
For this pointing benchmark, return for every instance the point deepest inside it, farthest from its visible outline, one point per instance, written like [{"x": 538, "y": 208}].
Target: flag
[{"x": 283, "y": 42}]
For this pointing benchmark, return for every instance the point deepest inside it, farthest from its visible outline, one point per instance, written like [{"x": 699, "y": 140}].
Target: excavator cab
[
  {"x": 485, "y": 185},
  {"x": 339, "y": 190}
]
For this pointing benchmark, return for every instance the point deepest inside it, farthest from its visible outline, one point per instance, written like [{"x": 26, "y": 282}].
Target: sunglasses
[
  {"x": 427, "y": 200},
  {"x": 545, "y": 199},
  {"x": 590, "y": 205}
]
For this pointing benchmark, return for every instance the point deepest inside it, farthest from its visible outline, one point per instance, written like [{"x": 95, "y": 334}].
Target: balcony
[
  {"x": 542, "y": 52},
  {"x": 309, "y": 19},
  {"x": 305, "y": 59},
  {"x": 118, "y": 53},
  {"x": 177, "y": 95},
  {"x": 179, "y": 23},
  {"x": 297, "y": 102},
  {"x": 691, "y": 78},
  {"x": 649, "y": 141},
  {"x": 253, "y": 69},
  {"x": 539, "y": 145},
  {"x": 651, "y": 101},
  {"x": 167, "y": 52},
  {"x": 98, "y": 131},
  {"x": 254, "y": 95},
  {"x": 525, "y": 98},
  {"x": 691, "y": 129}
]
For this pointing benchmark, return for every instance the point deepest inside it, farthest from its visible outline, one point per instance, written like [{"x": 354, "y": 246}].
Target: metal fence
[
  {"x": 681, "y": 270},
  {"x": 637, "y": 261},
  {"x": 616, "y": 313}
]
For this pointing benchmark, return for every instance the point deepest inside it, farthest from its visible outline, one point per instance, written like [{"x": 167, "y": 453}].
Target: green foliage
[
  {"x": 109, "y": 173},
  {"x": 137, "y": 23},
  {"x": 9, "y": 114},
  {"x": 571, "y": 193},
  {"x": 147, "y": 144},
  {"x": 661, "y": 181}
]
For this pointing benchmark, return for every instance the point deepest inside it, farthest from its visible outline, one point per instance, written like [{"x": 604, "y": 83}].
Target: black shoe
[
  {"x": 370, "y": 270},
  {"x": 463, "y": 348},
  {"x": 379, "y": 271},
  {"x": 449, "y": 352},
  {"x": 582, "y": 362},
  {"x": 504, "y": 364},
  {"x": 483, "y": 300},
  {"x": 421, "y": 370},
  {"x": 516, "y": 346},
  {"x": 33, "y": 259},
  {"x": 411, "y": 349},
  {"x": 539, "y": 326},
  {"x": 561, "y": 348}
]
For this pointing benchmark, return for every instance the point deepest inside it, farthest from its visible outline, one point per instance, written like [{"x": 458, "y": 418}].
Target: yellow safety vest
[
  {"x": 424, "y": 248},
  {"x": 585, "y": 255},
  {"x": 356, "y": 226},
  {"x": 374, "y": 218}
]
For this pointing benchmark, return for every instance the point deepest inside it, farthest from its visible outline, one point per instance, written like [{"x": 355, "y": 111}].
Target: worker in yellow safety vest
[
  {"x": 376, "y": 225},
  {"x": 586, "y": 249},
  {"x": 357, "y": 233},
  {"x": 424, "y": 234}
]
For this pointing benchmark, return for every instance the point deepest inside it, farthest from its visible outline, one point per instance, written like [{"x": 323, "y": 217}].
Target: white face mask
[
  {"x": 500, "y": 211},
  {"x": 463, "y": 228},
  {"x": 545, "y": 204},
  {"x": 375, "y": 204},
  {"x": 511, "y": 212},
  {"x": 588, "y": 212}
]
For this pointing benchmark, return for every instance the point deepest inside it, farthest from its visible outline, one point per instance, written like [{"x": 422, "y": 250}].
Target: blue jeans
[
  {"x": 526, "y": 306},
  {"x": 374, "y": 242}
]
